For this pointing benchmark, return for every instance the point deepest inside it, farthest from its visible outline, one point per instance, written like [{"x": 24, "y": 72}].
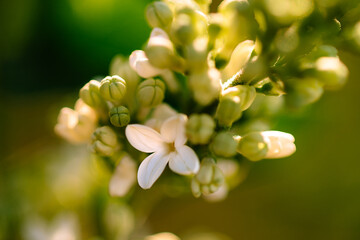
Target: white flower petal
[
  {"x": 143, "y": 138},
  {"x": 184, "y": 161},
  {"x": 173, "y": 130},
  {"x": 151, "y": 168},
  {"x": 123, "y": 178},
  {"x": 140, "y": 63},
  {"x": 280, "y": 144}
]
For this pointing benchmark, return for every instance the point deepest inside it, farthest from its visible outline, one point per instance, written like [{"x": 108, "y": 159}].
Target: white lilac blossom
[
  {"x": 141, "y": 65},
  {"x": 168, "y": 146},
  {"x": 76, "y": 126}
]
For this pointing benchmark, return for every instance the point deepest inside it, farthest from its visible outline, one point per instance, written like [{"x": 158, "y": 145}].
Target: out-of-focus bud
[
  {"x": 239, "y": 57},
  {"x": 223, "y": 145},
  {"x": 322, "y": 51},
  {"x": 159, "y": 14},
  {"x": 151, "y": 92},
  {"x": 240, "y": 25},
  {"x": 90, "y": 94},
  {"x": 205, "y": 86},
  {"x": 119, "y": 116},
  {"x": 120, "y": 66},
  {"x": 200, "y": 128},
  {"x": 76, "y": 126},
  {"x": 270, "y": 88},
  {"x": 304, "y": 91},
  {"x": 159, "y": 115},
  {"x": 268, "y": 144},
  {"x": 233, "y": 102},
  {"x": 160, "y": 49},
  {"x": 141, "y": 65},
  {"x": 196, "y": 56},
  {"x": 188, "y": 25},
  {"x": 113, "y": 88},
  {"x": 331, "y": 71},
  {"x": 208, "y": 179},
  {"x": 162, "y": 236},
  {"x": 104, "y": 141},
  {"x": 123, "y": 178},
  {"x": 215, "y": 26},
  {"x": 264, "y": 106}
]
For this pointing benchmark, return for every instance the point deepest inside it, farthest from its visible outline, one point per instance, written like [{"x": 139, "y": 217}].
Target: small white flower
[
  {"x": 141, "y": 65},
  {"x": 123, "y": 178},
  {"x": 280, "y": 144},
  {"x": 168, "y": 146},
  {"x": 76, "y": 126}
]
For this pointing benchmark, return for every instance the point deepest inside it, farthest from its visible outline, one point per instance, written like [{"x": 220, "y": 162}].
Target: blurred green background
[{"x": 49, "y": 49}]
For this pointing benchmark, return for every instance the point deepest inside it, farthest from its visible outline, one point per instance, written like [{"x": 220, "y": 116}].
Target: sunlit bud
[
  {"x": 120, "y": 66},
  {"x": 104, "y": 141},
  {"x": 90, "y": 94},
  {"x": 304, "y": 91},
  {"x": 141, "y": 65},
  {"x": 161, "y": 112},
  {"x": 159, "y": 14},
  {"x": 113, "y": 88},
  {"x": 162, "y": 236},
  {"x": 239, "y": 57},
  {"x": 208, "y": 179},
  {"x": 151, "y": 92},
  {"x": 123, "y": 178},
  {"x": 205, "y": 86},
  {"x": 160, "y": 49},
  {"x": 268, "y": 144},
  {"x": 200, "y": 128},
  {"x": 76, "y": 126},
  {"x": 119, "y": 116},
  {"x": 269, "y": 87},
  {"x": 183, "y": 30},
  {"x": 253, "y": 146},
  {"x": 331, "y": 71},
  {"x": 215, "y": 25},
  {"x": 224, "y": 145},
  {"x": 233, "y": 102}
]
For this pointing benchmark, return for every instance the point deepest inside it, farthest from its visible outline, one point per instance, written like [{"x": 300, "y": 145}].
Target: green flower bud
[
  {"x": 113, "y": 88},
  {"x": 104, "y": 141},
  {"x": 119, "y": 116},
  {"x": 183, "y": 30},
  {"x": 90, "y": 94},
  {"x": 208, "y": 179},
  {"x": 252, "y": 146},
  {"x": 151, "y": 92},
  {"x": 158, "y": 14},
  {"x": 331, "y": 71},
  {"x": 233, "y": 102},
  {"x": 270, "y": 88},
  {"x": 304, "y": 91},
  {"x": 228, "y": 111},
  {"x": 224, "y": 145},
  {"x": 200, "y": 128}
]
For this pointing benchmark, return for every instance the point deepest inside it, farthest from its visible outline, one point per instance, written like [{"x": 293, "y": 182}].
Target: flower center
[{"x": 170, "y": 147}]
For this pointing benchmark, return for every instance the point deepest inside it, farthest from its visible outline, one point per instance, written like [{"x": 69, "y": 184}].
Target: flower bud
[
  {"x": 252, "y": 146},
  {"x": 200, "y": 128},
  {"x": 205, "y": 85},
  {"x": 141, "y": 65},
  {"x": 208, "y": 179},
  {"x": 183, "y": 30},
  {"x": 269, "y": 87},
  {"x": 123, "y": 178},
  {"x": 331, "y": 71},
  {"x": 151, "y": 92},
  {"x": 224, "y": 145},
  {"x": 90, "y": 94},
  {"x": 304, "y": 91},
  {"x": 233, "y": 102},
  {"x": 268, "y": 144},
  {"x": 160, "y": 49},
  {"x": 113, "y": 88},
  {"x": 158, "y": 14},
  {"x": 119, "y": 116},
  {"x": 104, "y": 141}
]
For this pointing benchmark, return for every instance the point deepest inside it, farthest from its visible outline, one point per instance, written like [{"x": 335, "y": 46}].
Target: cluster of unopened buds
[{"x": 199, "y": 97}]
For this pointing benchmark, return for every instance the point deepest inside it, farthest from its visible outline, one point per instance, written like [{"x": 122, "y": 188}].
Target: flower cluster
[{"x": 200, "y": 96}]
